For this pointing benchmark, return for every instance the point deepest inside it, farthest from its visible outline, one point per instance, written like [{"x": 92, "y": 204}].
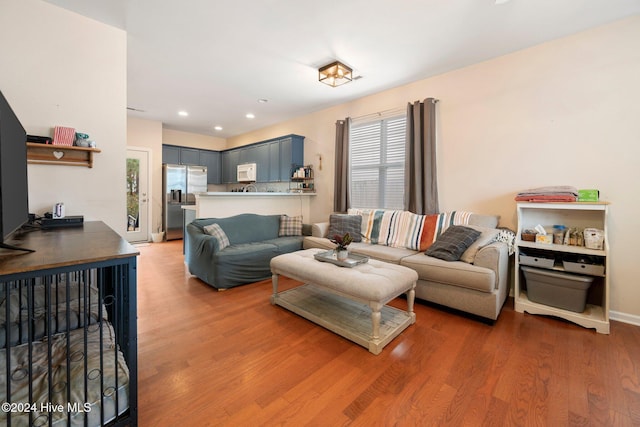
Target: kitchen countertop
[{"x": 252, "y": 193}]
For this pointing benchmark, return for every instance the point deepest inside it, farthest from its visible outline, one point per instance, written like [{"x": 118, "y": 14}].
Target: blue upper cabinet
[
  {"x": 176, "y": 155},
  {"x": 171, "y": 154},
  {"x": 275, "y": 159},
  {"x": 211, "y": 159},
  {"x": 261, "y": 158},
  {"x": 291, "y": 155},
  {"x": 190, "y": 156},
  {"x": 230, "y": 160}
]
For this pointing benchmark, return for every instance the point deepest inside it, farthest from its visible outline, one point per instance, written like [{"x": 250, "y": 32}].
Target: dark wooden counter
[{"x": 59, "y": 247}]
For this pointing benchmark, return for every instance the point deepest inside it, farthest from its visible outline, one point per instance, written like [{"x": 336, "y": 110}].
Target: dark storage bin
[{"x": 556, "y": 289}]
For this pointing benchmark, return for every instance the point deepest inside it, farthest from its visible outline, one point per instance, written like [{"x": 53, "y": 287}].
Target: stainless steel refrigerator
[{"x": 180, "y": 184}]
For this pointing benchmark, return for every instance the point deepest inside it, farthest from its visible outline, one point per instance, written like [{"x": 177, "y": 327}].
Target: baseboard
[{"x": 632, "y": 319}]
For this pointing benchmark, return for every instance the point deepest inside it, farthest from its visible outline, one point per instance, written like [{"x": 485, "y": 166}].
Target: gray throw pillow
[
  {"x": 451, "y": 244},
  {"x": 218, "y": 234},
  {"x": 342, "y": 223}
]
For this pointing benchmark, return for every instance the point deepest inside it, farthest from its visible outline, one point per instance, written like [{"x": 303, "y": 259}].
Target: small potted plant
[{"x": 342, "y": 242}]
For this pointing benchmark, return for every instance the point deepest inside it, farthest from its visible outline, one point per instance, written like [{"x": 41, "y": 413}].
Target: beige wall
[
  {"x": 59, "y": 68},
  {"x": 187, "y": 139},
  {"x": 561, "y": 113},
  {"x": 147, "y": 134}
]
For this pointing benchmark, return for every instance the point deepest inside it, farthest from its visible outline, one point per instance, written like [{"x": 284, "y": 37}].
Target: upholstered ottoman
[{"x": 350, "y": 301}]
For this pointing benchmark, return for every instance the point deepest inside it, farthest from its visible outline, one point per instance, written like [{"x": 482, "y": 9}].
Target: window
[{"x": 377, "y": 163}]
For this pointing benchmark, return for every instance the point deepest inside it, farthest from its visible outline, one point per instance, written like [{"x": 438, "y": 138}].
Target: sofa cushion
[
  {"x": 487, "y": 235},
  {"x": 287, "y": 243},
  {"x": 341, "y": 224},
  {"x": 290, "y": 226},
  {"x": 222, "y": 241},
  {"x": 451, "y": 244},
  {"x": 381, "y": 252},
  {"x": 488, "y": 221},
  {"x": 455, "y": 273},
  {"x": 243, "y": 263}
]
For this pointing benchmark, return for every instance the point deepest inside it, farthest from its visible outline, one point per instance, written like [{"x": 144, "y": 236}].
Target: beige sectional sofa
[{"x": 478, "y": 284}]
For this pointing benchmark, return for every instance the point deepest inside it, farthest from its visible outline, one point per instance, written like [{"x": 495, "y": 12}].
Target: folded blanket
[
  {"x": 558, "y": 193},
  {"x": 547, "y": 198}
]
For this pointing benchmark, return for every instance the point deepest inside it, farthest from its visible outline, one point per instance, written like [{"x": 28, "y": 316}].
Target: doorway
[{"x": 137, "y": 215}]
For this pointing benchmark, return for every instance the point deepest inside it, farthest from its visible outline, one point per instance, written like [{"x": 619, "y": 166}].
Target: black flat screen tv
[{"x": 14, "y": 194}]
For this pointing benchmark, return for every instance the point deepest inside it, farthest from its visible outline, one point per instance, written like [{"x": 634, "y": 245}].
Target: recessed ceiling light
[
  {"x": 263, "y": 101},
  {"x": 218, "y": 127},
  {"x": 250, "y": 116},
  {"x": 183, "y": 113},
  {"x": 501, "y": 1}
]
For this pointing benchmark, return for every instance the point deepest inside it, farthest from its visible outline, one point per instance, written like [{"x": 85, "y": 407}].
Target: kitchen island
[{"x": 225, "y": 204}]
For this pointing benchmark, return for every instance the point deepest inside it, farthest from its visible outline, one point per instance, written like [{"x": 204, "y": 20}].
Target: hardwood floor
[{"x": 209, "y": 358}]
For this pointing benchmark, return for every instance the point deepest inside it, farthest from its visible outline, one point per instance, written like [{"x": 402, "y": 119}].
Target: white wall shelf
[{"x": 47, "y": 154}]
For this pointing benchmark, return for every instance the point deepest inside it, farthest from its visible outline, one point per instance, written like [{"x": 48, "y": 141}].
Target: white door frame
[{"x": 149, "y": 184}]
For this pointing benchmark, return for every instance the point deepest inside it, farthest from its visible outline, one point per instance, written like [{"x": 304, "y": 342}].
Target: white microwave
[{"x": 247, "y": 172}]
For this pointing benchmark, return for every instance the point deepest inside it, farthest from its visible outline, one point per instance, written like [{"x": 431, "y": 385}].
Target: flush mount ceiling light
[{"x": 335, "y": 74}]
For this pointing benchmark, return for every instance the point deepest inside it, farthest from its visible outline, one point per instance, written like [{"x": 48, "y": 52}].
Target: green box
[{"x": 588, "y": 195}]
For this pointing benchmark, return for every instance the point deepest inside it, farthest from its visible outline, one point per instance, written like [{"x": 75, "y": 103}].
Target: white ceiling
[{"x": 216, "y": 58}]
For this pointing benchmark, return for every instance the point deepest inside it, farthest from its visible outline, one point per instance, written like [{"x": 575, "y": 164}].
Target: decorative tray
[{"x": 351, "y": 261}]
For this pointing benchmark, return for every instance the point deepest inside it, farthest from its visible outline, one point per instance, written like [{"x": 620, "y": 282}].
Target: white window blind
[{"x": 377, "y": 163}]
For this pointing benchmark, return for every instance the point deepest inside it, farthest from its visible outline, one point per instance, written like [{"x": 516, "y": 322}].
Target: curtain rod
[
  {"x": 390, "y": 111},
  {"x": 397, "y": 110}
]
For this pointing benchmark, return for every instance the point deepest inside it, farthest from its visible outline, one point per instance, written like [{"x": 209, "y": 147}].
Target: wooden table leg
[
  {"x": 274, "y": 282},
  {"x": 411, "y": 296},
  {"x": 375, "y": 319}
]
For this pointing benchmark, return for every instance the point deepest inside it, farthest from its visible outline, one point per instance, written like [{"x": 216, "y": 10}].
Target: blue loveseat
[{"x": 253, "y": 241}]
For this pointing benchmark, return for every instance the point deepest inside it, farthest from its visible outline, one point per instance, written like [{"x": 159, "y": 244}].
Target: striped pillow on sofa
[{"x": 404, "y": 229}]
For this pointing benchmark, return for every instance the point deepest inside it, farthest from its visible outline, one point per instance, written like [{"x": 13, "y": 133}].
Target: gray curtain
[
  {"x": 420, "y": 175},
  {"x": 341, "y": 198}
]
